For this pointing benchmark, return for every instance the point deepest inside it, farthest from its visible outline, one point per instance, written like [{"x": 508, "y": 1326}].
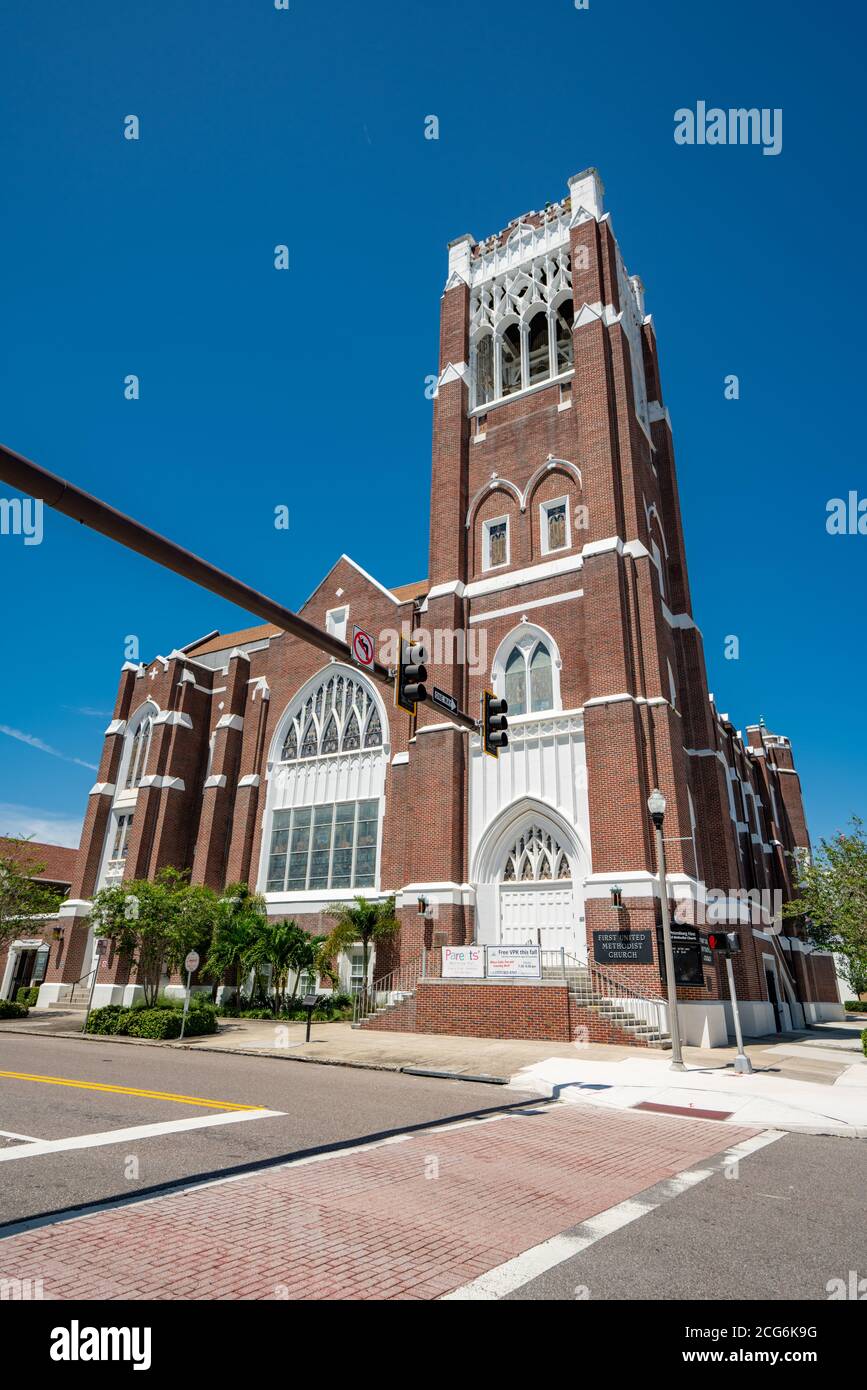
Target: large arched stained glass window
[{"x": 339, "y": 717}]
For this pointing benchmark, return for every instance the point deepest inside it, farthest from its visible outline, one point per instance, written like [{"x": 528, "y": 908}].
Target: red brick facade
[{"x": 630, "y": 709}]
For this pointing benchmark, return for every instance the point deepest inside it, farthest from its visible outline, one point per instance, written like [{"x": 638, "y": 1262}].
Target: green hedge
[
  {"x": 856, "y": 1006},
  {"x": 10, "y": 1009},
  {"x": 864, "y": 1042},
  {"x": 28, "y": 995},
  {"x": 162, "y": 1021}
]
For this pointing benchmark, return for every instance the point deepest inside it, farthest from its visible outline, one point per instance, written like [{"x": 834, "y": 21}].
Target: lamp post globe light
[{"x": 656, "y": 806}]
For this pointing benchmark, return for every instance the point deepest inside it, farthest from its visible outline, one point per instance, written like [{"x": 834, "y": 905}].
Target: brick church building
[{"x": 557, "y": 577}]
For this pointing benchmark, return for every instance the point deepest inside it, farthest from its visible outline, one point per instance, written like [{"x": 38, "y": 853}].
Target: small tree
[
  {"x": 22, "y": 896},
  {"x": 832, "y": 901},
  {"x": 281, "y": 945},
  {"x": 155, "y": 922},
  {"x": 360, "y": 921},
  {"x": 241, "y": 916}
]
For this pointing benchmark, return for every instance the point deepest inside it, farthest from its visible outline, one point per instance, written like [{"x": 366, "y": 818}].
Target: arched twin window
[
  {"x": 139, "y": 749},
  {"x": 529, "y": 680}
]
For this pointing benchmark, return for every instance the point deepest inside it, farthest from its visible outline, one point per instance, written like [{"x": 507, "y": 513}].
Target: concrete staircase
[
  {"x": 397, "y": 1016},
  {"x": 614, "y": 1014},
  {"x": 77, "y": 998}
]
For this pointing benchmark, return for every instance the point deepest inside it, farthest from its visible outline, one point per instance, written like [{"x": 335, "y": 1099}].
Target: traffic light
[
  {"x": 494, "y": 724},
  {"x": 409, "y": 687},
  {"x": 726, "y": 942}
]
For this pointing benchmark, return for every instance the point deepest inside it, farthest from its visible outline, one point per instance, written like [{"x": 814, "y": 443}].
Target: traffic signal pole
[
  {"x": 743, "y": 1065},
  {"x": 65, "y": 497}
]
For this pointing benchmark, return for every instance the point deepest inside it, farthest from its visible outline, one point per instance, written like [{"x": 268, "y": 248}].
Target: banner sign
[
  {"x": 514, "y": 962},
  {"x": 463, "y": 963}
]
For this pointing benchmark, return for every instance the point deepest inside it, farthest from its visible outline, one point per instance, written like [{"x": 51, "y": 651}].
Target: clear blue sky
[{"x": 307, "y": 388}]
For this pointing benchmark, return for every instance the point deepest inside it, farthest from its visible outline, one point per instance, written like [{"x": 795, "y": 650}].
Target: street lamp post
[{"x": 656, "y": 807}]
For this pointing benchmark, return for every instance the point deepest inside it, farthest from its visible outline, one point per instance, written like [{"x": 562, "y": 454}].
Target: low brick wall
[{"x": 491, "y": 1009}]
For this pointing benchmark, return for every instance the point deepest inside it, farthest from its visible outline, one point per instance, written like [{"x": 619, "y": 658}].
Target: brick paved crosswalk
[{"x": 407, "y": 1219}]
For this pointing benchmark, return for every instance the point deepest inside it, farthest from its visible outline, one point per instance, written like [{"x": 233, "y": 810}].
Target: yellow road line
[{"x": 128, "y": 1091}]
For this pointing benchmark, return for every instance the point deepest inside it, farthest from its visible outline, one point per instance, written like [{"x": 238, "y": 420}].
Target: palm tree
[
  {"x": 305, "y": 957},
  {"x": 278, "y": 944},
  {"x": 360, "y": 921},
  {"x": 242, "y": 915}
]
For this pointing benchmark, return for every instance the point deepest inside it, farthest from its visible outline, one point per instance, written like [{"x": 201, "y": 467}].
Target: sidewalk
[
  {"x": 414, "y": 1217},
  {"x": 814, "y": 1082}
]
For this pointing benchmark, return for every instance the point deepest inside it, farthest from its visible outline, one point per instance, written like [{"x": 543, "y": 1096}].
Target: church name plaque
[{"x": 623, "y": 947}]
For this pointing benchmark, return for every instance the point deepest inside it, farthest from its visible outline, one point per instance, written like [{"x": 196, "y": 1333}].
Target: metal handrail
[
  {"x": 399, "y": 981},
  {"x": 648, "y": 1008}
]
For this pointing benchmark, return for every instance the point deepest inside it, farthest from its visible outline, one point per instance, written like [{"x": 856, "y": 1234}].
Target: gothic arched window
[
  {"x": 564, "y": 316},
  {"x": 485, "y": 369},
  {"x": 528, "y": 678},
  {"x": 539, "y": 351},
  {"x": 516, "y": 682},
  {"x": 510, "y": 358},
  {"x": 340, "y": 715},
  {"x": 322, "y": 825},
  {"x": 527, "y": 306},
  {"x": 139, "y": 749},
  {"x": 541, "y": 682}
]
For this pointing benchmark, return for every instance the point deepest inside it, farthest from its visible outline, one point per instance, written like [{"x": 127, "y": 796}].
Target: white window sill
[{"x": 527, "y": 391}]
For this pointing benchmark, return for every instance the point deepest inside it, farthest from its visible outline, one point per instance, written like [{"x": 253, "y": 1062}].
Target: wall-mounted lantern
[{"x": 616, "y": 896}]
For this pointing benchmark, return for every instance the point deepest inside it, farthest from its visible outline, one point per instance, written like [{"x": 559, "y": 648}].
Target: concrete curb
[{"x": 277, "y": 1055}]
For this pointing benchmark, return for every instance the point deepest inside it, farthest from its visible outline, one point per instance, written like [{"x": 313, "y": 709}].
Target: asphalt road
[
  {"x": 320, "y": 1106},
  {"x": 791, "y": 1221}
]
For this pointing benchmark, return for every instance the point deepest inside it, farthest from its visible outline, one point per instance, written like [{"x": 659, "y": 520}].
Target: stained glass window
[
  {"x": 309, "y": 746},
  {"x": 352, "y": 736},
  {"x": 329, "y": 738},
  {"x": 320, "y": 847},
  {"x": 373, "y": 736},
  {"x": 497, "y": 538},
  {"x": 541, "y": 682},
  {"x": 332, "y": 719},
  {"x": 516, "y": 683},
  {"x": 556, "y": 526}
]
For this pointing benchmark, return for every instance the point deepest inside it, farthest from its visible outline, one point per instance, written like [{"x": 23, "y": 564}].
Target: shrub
[
  {"x": 10, "y": 1009},
  {"x": 28, "y": 995},
  {"x": 856, "y": 1006},
  {"x": 201, "y": 1020},
  {"x": 154, "y": 1023},
  {"x": 162, "y": 1021},
  {"x": 107, "y": 1019},
  {"x": 864, "y": 1042}
]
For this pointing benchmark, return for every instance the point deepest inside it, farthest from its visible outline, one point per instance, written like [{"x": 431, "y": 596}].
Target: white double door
[{"x": 542, "y": 914}]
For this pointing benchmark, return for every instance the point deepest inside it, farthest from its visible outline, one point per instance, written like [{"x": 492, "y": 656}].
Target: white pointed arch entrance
[{"x": 529, "y": 873}]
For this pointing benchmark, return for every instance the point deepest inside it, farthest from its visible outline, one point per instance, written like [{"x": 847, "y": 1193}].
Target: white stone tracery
[
  {"x": 535, "y": 857},
  {"x": 339, "y": 716},
  {"x": 521, "y": 326}
]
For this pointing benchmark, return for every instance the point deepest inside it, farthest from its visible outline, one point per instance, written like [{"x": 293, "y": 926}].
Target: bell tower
[{"x": 556, "y": 539}]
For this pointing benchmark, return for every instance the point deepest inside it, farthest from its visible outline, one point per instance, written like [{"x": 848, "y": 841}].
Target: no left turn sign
[{"x": 363, "y": 650}]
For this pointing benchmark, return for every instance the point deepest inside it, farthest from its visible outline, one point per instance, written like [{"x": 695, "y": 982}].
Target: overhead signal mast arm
[{"x": 81, "y": 506}]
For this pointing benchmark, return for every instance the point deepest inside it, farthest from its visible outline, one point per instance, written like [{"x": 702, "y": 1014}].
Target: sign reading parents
[
  {"x": 515, "y": 962},
  {"x": 463, "y": 963}
]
